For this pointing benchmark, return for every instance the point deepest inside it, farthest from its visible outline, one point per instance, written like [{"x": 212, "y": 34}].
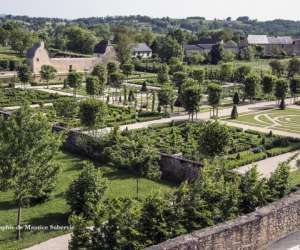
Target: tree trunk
[
  {"x": 137, "y": 187},
  {"x": 18, "y": 236}
]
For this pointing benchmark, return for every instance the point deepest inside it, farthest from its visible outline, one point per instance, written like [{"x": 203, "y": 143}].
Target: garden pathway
[
  {"x": 57, "y": 243},
  {"x": 267, "y": 166}
]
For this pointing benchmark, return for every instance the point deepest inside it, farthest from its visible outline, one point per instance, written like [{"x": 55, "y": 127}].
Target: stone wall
[
  {"x": 178, "y": 169},
  {"x": 256, "y": 231},
  {"x": 63, "y": 65}
]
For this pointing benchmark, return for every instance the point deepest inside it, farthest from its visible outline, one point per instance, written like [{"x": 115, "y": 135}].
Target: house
[
  {"x": 38, "y": 55},
  {"x": 141, "y": 50},
  {"x": 205, "y": 46},
  {"x": 274, "y": 45}
]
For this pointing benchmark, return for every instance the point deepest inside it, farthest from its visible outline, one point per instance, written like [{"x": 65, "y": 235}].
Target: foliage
[
  {"x": 251, "y": 86},
  {"x": 281, "y": 90},
  {"x": 278, "y": 68},
  {"x": 214, "y": 91},
  {"x": 169, "y": 48},
  {"x": 86, "y": 192},
  {"x": 48, "y": 73},
  {"x": 167, "y": 96},
  {"x": 74, "y": 80},
  {"x": 66, "y": 107},
  {"x": 92, "y": 112},
  {"x": 293, "y": 67},
  {"x": 268, "y": 82},
  {"x": 24, "y": 73},
  {"x": 93, "y": 86},
  {"x": 217, "y": 53},
  {"x": 27, "y": 149},
  {"x": 163, "y": 74},
  {"x": 214, "y": 138},
  {"x": 190, "y": 96}
]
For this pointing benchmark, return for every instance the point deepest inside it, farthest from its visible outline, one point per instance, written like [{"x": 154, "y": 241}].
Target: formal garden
[{"x": 275, "y": 119}]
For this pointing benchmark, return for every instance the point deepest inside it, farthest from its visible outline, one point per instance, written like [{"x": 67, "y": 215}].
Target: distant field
[
  {"x": 8, "y": 54},
  {"x": 55, "y": 211}
]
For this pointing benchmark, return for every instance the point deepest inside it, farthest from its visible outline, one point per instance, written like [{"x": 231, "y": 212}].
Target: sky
[{"x": 210, "y": 9}]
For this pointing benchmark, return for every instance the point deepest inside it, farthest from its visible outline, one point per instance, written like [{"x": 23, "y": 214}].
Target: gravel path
[
  {"x": 268, "y": 166},
  {"x": 58, "y": 243}
]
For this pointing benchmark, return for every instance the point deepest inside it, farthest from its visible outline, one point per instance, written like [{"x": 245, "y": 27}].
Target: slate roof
[
  {"x": 31, "y": 52},
  {"x": 100, "y": 48},
  {"x": 280, "y": 40},
  {"x": 264, "y": 39},
  {"x": 141, "y": 47},
  {"x": 257, "y": 39}
]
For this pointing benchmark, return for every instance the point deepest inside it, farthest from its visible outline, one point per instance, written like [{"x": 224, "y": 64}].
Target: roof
[
  {"x": 280, "y": 40},
  {"x": 264, "y": 39},
  {"x": 100, "y": 48},
  {"x": 207, "y": 41},
  {"x": 257, "y": 39},
  {"x": 141, "y": 47},
  {"x": 31, "y": 52}
]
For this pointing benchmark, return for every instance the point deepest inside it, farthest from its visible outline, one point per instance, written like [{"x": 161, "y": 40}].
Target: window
[{"x": 37, "y": 59}]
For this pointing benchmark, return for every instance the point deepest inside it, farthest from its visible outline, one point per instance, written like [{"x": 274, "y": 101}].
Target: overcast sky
[{"x": 259, "y": 9}]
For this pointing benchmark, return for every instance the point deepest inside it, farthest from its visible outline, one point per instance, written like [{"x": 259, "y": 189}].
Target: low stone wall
[
  {"x": 256, "y": 231},
  {"x": 178, "y": 169}
]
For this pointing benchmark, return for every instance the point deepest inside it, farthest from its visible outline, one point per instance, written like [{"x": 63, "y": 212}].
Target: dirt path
[{"x": 58, "y": 243}]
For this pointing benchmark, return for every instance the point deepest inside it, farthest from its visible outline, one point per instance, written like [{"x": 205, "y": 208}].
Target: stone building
[
  {"x": 274, "y": 45},
  {"x": 205, "y": 45},
  {"x": 38, "y": 55},
  {"x": 141, "y": 50}
]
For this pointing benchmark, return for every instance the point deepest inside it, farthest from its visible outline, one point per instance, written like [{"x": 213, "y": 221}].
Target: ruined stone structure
[
  {"x": 38, "y": 56},
  {"x": 255, "y": 231}
]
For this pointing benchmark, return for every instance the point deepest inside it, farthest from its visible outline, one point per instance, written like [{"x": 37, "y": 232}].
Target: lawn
[
  {"x": 7, "y": 53},
  {"x": 286, "y": 120},
  {"x": 55, "y": 211}
]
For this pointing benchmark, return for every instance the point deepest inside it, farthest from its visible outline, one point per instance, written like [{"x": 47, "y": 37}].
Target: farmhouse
[
  {"x": 205, "y": 46},
  {"x": 274, "y": 45},
  {"x": 141, "y": 50},
  {"x": 38, "y": 55}
]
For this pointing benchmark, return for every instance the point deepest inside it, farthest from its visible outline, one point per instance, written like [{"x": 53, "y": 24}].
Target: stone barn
[{"x": 38, "y": 55}]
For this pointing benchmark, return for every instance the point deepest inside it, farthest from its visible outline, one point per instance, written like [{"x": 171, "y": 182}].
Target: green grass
[
  {"x": 55, "y": 211},
  {"x": 7, "y": 53},
  {"x": 295, "y": 178},
  {"x": 286, "y": 120}
]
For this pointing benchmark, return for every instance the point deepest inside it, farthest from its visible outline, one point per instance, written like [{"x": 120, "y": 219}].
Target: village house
[
  {"x": 38, "y": 55},
  {"x": 141, "y": 50},
  {"x": 205, "y": 46},
  {"x": 274, "y": 45}
]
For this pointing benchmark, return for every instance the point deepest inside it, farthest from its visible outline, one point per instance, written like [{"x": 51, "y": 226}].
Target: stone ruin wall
[{"x": 255, "y": 231}]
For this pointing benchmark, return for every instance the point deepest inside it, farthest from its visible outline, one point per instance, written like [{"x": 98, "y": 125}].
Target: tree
[
  {"x": 48, "y": 73},
  {"x": 293, "y": 67},
  {"x": 226, "y": 72},
  {"x": 179, "y": 78},
  {"x": 87, "y": 191},
  {"x": 20, "y": 40},
  {"x": 268, "y": 82},
  {"x": 92, "y": 112},
  {"x": 281, "y": 90},
  {"x": 112, "y": 67},
  {"x": 198, "y": 75},
  {"x": 254, "y": 191},
  {"x": 27, "y": 149},
  {"x": 295, "y": 87},
  {"x": 236, "y": 101},
  {"x": 190, "y": 96},
  {"x": 169, "y": 48},
  {"x": 167, "y": 96},
  {"x": 24, "y": 74},
  {"x": 127, "y": 69},
  {"x": 279, "y": 181},
  {"x": 214, "y": 91},
  {"x": 278, "y": 67},
  {"x": 236, "y": 98},
  {"x": 137, "y": 155},
  {"x": 251, "y": 86},
  {"x": 79, "y": 39},
  {"x": 242, "y": 72},
  {"x": 80, "y": 238},
  {"x": 217, "y": 53},
  {"x": 214, "y": 138},
  {"x": 234, "y": 112},
  {"x": 163, "y": 74},
  {"x": 100, "y": 72},
  {"x": 123, "y": 47},
  {"x": 93, "y": 86},
  {"x": 74, "y": 80},
  {"x": 116, "y": 80},
  {"x": 66, "y": 107},
  {"x": 196, "y": 58},
  {"x": 246, "y": 53}
]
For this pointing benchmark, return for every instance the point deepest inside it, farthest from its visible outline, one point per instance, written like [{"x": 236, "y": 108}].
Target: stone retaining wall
[{"x": 256, "y": 231}]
